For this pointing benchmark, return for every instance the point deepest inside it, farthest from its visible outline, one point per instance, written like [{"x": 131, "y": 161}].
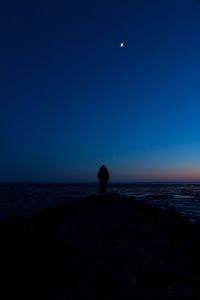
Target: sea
[{"x": 25, "y": 199}]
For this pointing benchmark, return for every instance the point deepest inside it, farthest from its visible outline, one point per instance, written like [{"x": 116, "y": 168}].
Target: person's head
[{"x": 103, "y": 174}]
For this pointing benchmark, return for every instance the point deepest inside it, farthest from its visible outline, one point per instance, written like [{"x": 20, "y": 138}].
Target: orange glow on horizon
[{"x": 159, "y": 175}]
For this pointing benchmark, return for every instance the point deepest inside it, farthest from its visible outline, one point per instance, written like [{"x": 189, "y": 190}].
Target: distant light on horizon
[{"x": 122, "y": 45}]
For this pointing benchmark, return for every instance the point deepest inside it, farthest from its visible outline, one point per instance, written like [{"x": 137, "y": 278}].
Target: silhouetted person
[{"x": 103, "y": 176}]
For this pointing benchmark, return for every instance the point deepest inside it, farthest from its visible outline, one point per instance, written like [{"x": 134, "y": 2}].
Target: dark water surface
[{"x": 27, "y": 198}]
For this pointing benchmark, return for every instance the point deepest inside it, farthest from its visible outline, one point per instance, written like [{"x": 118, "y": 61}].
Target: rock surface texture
[{"x": 100, "y": 247}]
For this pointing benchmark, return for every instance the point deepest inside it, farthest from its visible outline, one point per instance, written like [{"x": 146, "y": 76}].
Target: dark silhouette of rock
[
  {"x": 103, "y": 176},
  {"x": 100, "y": 248}
]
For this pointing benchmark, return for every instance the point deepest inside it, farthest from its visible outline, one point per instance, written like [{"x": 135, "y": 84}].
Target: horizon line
[{"x": 110, "y": 183}]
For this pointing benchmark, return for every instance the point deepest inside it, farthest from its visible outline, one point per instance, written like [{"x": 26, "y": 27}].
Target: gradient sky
[{"x": 71, "y": 99}]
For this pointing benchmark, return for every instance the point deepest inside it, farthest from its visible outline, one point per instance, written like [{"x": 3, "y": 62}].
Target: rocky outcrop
[{"x": 102, "y": 247}]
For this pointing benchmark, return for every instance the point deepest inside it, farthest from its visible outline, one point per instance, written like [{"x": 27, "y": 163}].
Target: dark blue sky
[{"x": 72, "y": 99}]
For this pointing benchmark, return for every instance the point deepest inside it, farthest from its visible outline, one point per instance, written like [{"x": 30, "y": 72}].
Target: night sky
[{"x": 71, "y": 99}]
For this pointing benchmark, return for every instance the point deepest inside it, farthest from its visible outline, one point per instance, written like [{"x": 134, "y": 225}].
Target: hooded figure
[{"x": 103, "y": 177}]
